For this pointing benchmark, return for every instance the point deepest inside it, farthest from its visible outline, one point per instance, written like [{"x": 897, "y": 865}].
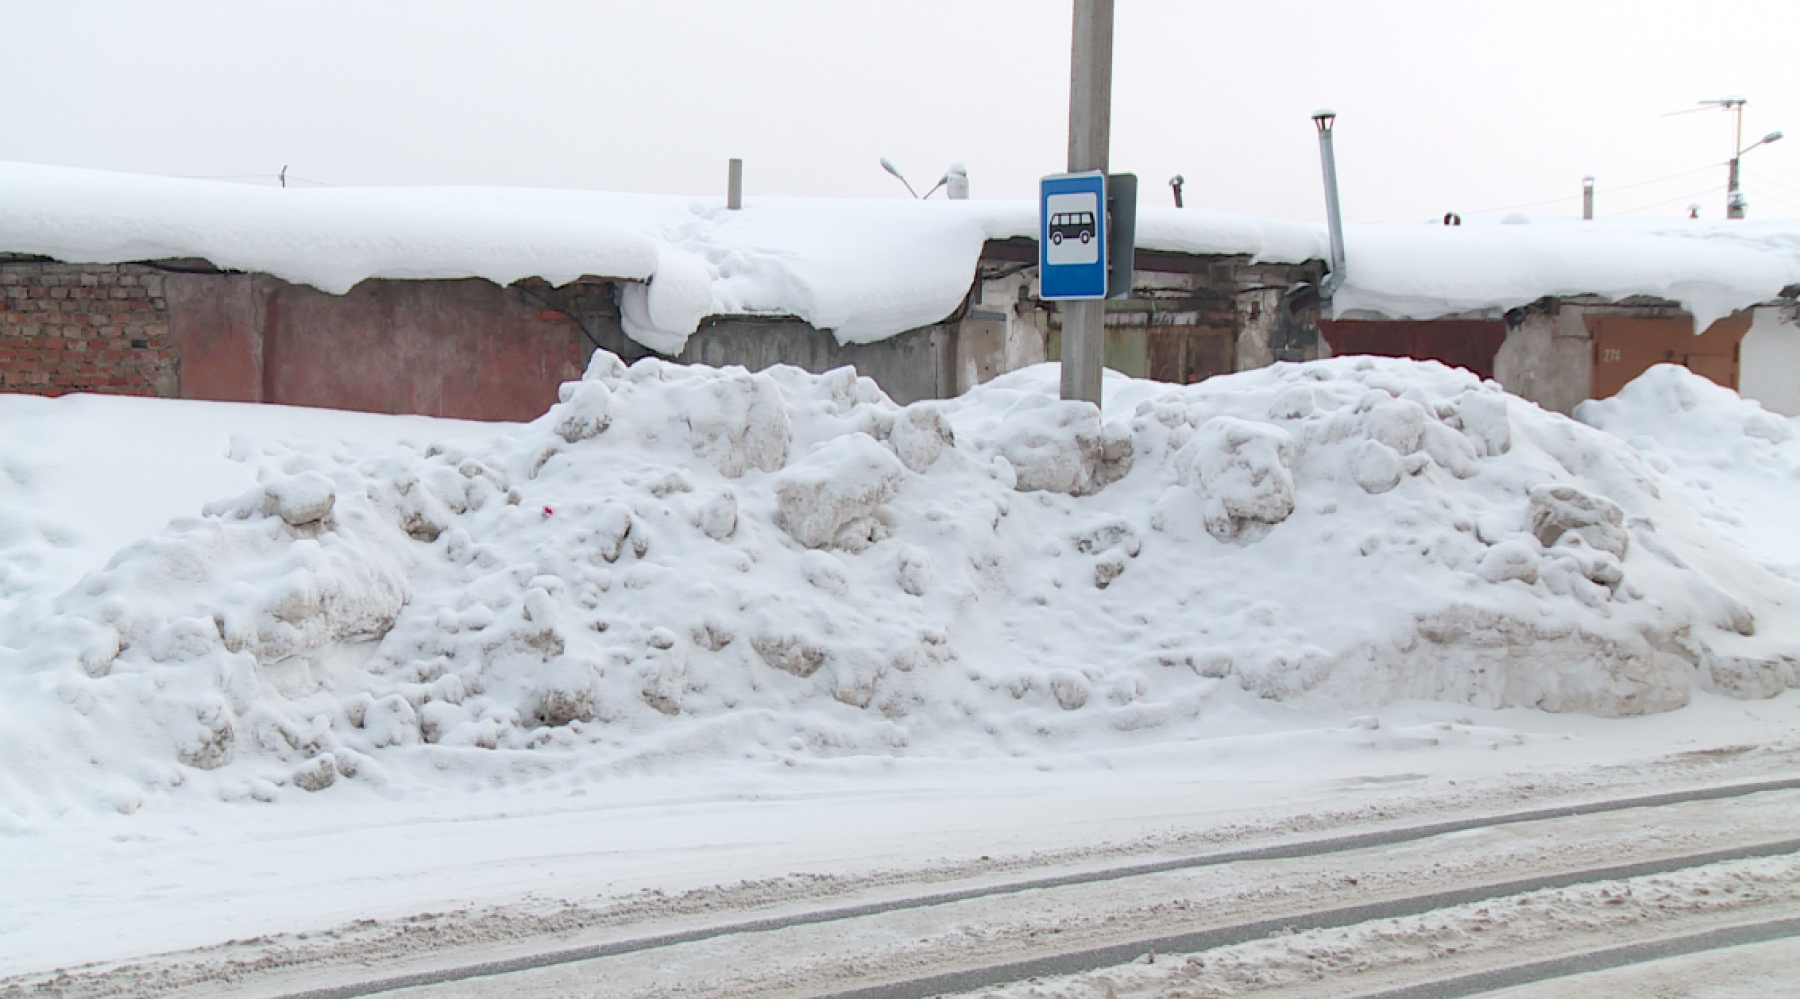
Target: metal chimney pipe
[
  {"x": 1324, "y": 118},
  {"x": 1587, "y": 198},
  {"x": 734, "y": 185}
]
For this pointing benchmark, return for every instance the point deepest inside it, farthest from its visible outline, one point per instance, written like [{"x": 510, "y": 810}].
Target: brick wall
[{"x": 85, "y": 328}]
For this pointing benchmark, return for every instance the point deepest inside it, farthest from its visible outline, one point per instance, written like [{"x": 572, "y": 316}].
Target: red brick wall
[
  {"x": 85, "y": 328},
  {"x": 467, "y": 348}
]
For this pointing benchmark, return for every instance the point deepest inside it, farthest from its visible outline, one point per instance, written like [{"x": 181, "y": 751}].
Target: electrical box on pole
[{"x": 1121, "y": 239}]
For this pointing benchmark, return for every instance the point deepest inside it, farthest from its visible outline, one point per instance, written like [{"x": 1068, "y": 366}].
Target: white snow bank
[
  {"x": 1412, "y": 271},
  {"x": 684, "y": 564},
  {"x": 1736, "y": 463}
]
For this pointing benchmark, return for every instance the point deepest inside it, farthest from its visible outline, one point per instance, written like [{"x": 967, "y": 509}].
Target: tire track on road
[{"x": 1105, "y": 955}]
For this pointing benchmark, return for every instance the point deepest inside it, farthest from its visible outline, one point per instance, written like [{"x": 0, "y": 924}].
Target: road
[{"x": 1406, "y": 908}]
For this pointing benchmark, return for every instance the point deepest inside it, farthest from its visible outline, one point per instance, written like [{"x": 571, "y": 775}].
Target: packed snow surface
[
  {"x": 864, "y": 269},
  {"x": 678, "y": 564}
]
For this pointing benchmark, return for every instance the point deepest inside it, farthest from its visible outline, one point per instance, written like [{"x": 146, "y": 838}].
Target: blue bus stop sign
[{"x": 1072, "y": 236}]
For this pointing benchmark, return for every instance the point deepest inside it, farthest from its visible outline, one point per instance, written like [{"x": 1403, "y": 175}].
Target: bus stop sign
[{"x": 1072, "y": 236}]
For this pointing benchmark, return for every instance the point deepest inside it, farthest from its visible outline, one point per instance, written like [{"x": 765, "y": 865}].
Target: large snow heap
[{"x": 681, "y": 560}]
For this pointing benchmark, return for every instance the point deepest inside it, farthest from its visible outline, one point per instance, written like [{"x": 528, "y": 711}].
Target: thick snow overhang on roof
[
  {"x": 864, "y": 269},
  {"x": 1414, "y": 271}
]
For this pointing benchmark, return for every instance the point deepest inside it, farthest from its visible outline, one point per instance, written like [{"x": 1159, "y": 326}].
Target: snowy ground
[{"x": 269, "y": 671}]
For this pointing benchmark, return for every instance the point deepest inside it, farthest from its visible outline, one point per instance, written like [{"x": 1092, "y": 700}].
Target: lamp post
[{"x": 1734, "y": 200}]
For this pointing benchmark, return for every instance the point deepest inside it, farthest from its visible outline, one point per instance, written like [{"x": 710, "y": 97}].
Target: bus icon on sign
[
  {"x": 1073, "y": 228},
  {"x": 1072, "y": 225}
]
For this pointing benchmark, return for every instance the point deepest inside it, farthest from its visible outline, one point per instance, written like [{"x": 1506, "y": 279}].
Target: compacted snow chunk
[{"x": 676, "y": 562}]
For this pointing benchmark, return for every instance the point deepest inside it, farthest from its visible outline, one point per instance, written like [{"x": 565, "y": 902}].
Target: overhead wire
[
  {"x": 1682, "y": 197},
  {"x": 1771, "y": 180},
  {"x": 1609, "y": 189}
]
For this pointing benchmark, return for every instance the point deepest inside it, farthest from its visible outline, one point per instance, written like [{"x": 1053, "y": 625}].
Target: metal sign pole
[{"x": 1090, "y": 127}]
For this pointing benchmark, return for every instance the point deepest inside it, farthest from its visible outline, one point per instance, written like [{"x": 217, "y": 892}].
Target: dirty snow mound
[{"x": 681, "y": 563}]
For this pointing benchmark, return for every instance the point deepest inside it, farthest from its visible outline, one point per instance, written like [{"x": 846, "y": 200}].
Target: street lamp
[
  {"x": 888, "y": 165},
  {"x": 1734, "y": 201},
  {"x": 955, "y": 181}
]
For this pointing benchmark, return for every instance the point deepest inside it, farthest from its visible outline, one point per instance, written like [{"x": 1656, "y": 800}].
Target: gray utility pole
[{"x": 1090, "y": 133}]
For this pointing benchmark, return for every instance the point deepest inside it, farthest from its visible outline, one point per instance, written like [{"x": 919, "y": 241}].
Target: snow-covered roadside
[
  {"x": 679, "y": 565},
  {"x": 695, "y": 627},
  {"x": 492, "y": 866}
]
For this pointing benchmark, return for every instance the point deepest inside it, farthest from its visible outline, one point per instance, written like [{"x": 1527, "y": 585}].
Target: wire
[
  {"x": 1766, "y": 196},
  {"x": 1711, "y": 190},
  {"x": 1771, "y": 180},
  {"x": 1607, "y": 190}
]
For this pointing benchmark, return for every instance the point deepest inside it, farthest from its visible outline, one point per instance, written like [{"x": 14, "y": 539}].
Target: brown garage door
[
  {"x": 1626, "y": 346},
  {"x": 1188, "y": 354},
  {"x": 1461, "y": 343}
]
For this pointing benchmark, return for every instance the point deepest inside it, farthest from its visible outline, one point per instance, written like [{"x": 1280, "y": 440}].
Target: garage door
[{"x": 1626, "y": 346}]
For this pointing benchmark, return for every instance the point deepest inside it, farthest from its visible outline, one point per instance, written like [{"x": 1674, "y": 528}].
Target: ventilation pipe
[
  {"x": 734, "y": 185},
  {"x": 1324, "y": 118},
  {"x": 1587, "y": 198}
]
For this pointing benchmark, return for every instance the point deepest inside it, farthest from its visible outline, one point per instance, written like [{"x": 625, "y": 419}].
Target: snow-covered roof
[
  {"x": 865, "y": 269},
  {"x": 1414, "y": 271}
]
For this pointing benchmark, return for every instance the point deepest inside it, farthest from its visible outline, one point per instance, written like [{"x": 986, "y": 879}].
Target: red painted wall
[
  {"x": 466, "y": 349},
  {"x": 469, "y": 349}
]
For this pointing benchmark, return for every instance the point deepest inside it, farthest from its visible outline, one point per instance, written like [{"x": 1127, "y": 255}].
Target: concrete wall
[
  {"x": 1770, "y": 371},
  {"x": 911, "y": 366},
  {"x": 1548, "y": 358}
]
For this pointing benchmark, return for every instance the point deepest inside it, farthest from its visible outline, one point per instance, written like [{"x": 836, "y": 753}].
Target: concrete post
[
  {"x": 1090, "y": 135},
  {"x": 734, "y": 186}
]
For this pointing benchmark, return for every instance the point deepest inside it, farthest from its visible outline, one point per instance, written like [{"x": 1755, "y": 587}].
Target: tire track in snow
[
  {"x": 1594, "y": 960},
  {"x": 1095, "y": 958},
  {"x": 1113, "y": 955}
]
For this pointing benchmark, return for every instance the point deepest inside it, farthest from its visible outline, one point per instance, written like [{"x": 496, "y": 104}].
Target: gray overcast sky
[{"x": 1447, "y": 105}]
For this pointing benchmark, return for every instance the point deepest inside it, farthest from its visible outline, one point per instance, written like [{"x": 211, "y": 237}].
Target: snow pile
[
  {"x": 683, "y": 562},
  {"x": 1736, "y": 463},
  {"x": 1412, "y": 271}
]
